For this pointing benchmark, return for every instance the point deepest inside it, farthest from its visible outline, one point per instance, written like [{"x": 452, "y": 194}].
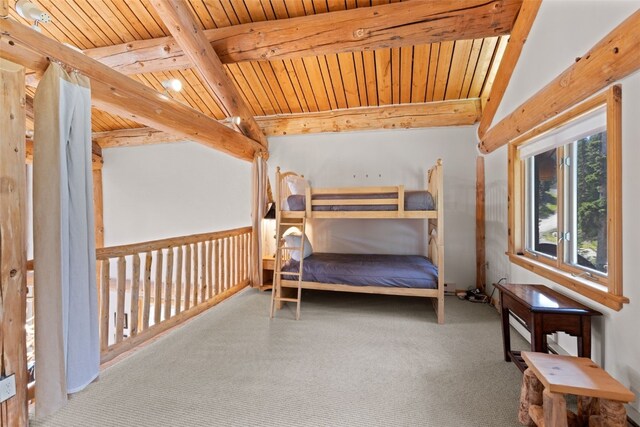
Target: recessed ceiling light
[{"x": 172, "y": 84}]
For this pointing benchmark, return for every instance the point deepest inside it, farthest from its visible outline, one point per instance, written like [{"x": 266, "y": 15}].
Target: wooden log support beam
[
  {"x": 120, "y": 95},
  {"x": 517, "y": 39},
  {"x": 612, "y": 58},
  {"x": 366, "y": 28},
  {"x": 189, "y": 35},
  {"x": 98, "y": 211},
  {"x": 404, "y": 116},
  {"x": 480, "y": 226},
  {"x": 133, "y": 137},
  {"x": 13, "y": 259},
  {"x": 4, "y": 8},
  {"x": 96, "y": 154}
]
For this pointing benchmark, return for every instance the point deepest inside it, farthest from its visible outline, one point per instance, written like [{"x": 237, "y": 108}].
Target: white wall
[
  {"x": 167, "y": 190},
  {"x": 390, "y": 158},
  {"x": 563, "y": 31}
]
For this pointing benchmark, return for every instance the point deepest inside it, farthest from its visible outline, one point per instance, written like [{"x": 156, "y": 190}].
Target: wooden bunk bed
[{"x": 359, "y": 203}]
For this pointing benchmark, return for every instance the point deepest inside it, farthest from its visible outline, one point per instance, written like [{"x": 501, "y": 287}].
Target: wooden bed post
[{"x": 13, "y": 259}]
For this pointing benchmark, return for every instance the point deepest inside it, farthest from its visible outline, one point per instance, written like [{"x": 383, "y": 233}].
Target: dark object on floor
[
  {"x": 474, "y": 295},
  {"x": 543, "y": 311}
]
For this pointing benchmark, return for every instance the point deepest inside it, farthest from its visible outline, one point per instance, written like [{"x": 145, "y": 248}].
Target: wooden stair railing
[{"x": 147, "y": 288}]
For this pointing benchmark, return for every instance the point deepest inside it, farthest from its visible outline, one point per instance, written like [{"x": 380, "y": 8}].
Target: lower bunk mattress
[{"x": 399, "y": 271}]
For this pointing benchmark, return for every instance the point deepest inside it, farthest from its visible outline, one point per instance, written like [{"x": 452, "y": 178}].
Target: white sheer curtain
[
  {"x": 259, "y": 205},
  {"x": 66, "y": 308}
]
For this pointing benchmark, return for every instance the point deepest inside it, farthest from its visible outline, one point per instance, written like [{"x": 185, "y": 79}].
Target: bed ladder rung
[
  {"x": 287, "y": 299},
  {"x": 286, "y": 273},
  {"x": 291, "y": 248}
]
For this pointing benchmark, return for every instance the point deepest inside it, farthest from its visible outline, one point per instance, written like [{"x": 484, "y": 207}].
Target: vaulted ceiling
[{"x": 413, "y": 52}]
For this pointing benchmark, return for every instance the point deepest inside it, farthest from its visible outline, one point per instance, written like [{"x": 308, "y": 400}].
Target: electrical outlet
[{"x": 7, "y": 388}]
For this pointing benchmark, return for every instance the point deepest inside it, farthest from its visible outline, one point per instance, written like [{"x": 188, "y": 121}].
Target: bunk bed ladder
[{"x": 283, "y": 253}]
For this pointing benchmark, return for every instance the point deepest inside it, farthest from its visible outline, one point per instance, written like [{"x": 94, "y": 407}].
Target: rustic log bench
[{"x": 549, "y": 377}]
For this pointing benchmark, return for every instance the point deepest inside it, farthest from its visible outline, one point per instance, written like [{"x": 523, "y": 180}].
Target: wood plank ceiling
[{"x": 448, "y": 70}]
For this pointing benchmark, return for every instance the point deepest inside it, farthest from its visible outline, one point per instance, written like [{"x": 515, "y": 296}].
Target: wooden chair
[{"x": 549, "y": 376}]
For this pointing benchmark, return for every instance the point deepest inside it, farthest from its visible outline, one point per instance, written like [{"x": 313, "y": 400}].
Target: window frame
[{"x": 606, "y": 290}]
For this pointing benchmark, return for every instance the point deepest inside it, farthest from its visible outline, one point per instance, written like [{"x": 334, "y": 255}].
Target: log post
[
  {"x": 4, "y": 8},
  {"x": 555, "y": 409},
  {"x": 530, "y": 394},
  {"x": 613, "y": 413},
  {"x": 480, "y": 230},
  {"x": 13, "y": 257},
  {"x": 98, "y": 206},
  {"x": 587, "y": 406}
]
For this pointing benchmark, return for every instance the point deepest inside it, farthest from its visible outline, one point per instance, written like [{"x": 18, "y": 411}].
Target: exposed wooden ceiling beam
[
  {"x": 367, "y": 28},
  {"x": 431, "y": 114},
  {"x": 96, "y": 153},
  {"x": 134, "y": 137},
  {"x": 121, "y": 95},
  {"x": 188, "y": 34},
  {"x": 405, "y": 116},
  {"x": 519, "y": 34},
  {"x": 612, "y": 58}
]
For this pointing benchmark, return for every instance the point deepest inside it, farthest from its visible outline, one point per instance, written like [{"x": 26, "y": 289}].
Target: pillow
[
  {"x": 293, "y": 241},
  {"x": 296, "y": 184}
]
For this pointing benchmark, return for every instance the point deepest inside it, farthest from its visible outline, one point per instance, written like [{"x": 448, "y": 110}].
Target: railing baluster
[
  {"x": 216, "y": 256},
  {"x": 122, "y": 283},
  {"x": 236, "y": 260},
  {"x": 233, "y": 259},
  {"x": 209, "y": 270},
  {"x": 227, "y": 282},
  {"x": 243, "y": 250},
  {"x": 203, "y": 272},
  {"x": 157, "y": 296},
  {"x": 196, "y": 285},
  {"x": 180, "y": 250},
  {"x": 135, "y": 295},
  {"x": 187, "y": 280},
  {"x": 168, "y": 290},
  {"x": 247, "y": 255},
  {"x": 104, "y": 306},
  {"x": 146, "y": 307}
]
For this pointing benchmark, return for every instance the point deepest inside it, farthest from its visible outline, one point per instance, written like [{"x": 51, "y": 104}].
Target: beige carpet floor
[{"x": 352, "y": 360}]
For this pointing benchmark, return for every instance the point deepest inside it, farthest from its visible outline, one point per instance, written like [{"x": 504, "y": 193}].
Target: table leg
[
  {"x": 538, "y": 339},
  {"x": 506, "y": 331},
  {"x": 584, "y": 339}
]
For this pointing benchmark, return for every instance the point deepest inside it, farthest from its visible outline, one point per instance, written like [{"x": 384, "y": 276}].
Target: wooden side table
[
  {"x": 549, "y": 377},
  {"x": 268, "y": 265},
  {"x": 543, "y": 311}
]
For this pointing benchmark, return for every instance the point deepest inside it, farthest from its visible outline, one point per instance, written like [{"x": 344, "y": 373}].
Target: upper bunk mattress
[
  {"x": 413, "y": 201},
  {"x": 400, "y": 271}
]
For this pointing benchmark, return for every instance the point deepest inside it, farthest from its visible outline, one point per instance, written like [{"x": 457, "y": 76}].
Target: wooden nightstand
[{"x": 268, "y": 265}]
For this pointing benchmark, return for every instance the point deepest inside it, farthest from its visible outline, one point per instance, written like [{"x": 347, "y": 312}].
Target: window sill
[{"x": 585, "y": 288}]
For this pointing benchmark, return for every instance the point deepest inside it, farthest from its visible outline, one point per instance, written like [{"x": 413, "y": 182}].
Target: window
[{"x": 565, "y": 210}]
